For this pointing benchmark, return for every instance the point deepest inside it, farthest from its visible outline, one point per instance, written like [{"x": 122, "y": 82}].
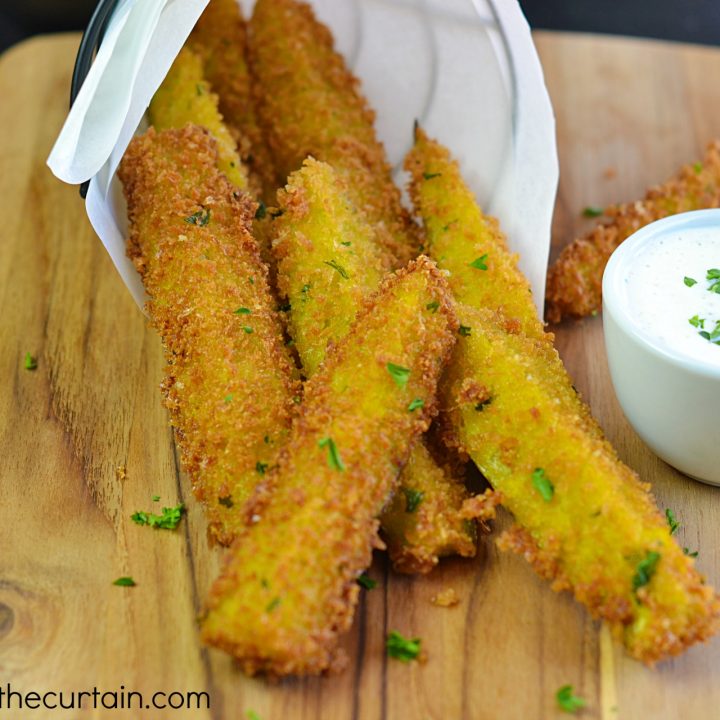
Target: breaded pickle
[
  {"x": 309, "y": 103},
  {"x": 465, "y": 241},
  {"x": 328, "y": 263},
  {"x": 220, "y": 38},
  {"x": 583, "y": 518},
  {"x": 228, "y": 381},
  {"x": 574, "y": 285},
  {"x": 185, "y": 97},
  {"x": 288, "y": 587}
]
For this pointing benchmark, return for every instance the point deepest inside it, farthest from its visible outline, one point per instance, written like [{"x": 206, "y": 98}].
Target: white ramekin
[{"x": 672, "y": 400}]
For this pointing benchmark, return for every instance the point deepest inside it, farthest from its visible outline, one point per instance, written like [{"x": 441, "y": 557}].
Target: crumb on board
[
  {"x": 446, "y": 598},
  {"x": 120, "y": 473},
  {"x": 609, "y": 173}
]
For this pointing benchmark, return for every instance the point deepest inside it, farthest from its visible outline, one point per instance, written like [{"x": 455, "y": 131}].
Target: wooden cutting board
[{"x": 629, "y": 113}]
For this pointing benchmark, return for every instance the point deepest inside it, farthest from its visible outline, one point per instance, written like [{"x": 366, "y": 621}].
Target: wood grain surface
[{"x": 629, "y": 112}]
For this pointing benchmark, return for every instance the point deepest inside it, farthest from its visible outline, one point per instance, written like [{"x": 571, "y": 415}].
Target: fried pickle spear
[
  {"x": 328, "y": 264},
  {"x": 288, "y": 588},
  {"x": 220, "y": 38},
  {"x": 583, "y": 518},
  {"x": 310, "y": 104},
  {"x": 228, "y": 381},
  {"x": 574, "y": 286},
  {"x": 185, "y": 97}
]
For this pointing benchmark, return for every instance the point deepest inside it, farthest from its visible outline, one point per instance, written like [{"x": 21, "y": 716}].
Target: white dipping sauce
[{"x": 661, "y": 304}]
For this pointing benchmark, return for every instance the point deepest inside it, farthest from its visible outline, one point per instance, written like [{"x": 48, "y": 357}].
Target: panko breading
[
  {"x": 220, "y": 38},
  {"x": 328, "y": 264},
  {"x": 466, "y": 242},
  {"x": 288, "y": 587},
  {"x": 228, "y": 383},
  {"x": 186, "y": 97},
  {"x": 584, "y": 519},
  {"x": 309, "y": 104},
  {"x": 574, "y": 285}
]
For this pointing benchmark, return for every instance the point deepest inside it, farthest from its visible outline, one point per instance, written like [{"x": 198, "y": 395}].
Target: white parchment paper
[{"x": 466, "y": 69}]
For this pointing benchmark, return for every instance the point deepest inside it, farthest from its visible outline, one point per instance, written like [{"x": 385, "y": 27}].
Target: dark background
[{"x": 695, "y": 21}]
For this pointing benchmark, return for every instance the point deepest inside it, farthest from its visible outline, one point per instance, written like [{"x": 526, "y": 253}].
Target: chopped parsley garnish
[
  {"x": 399, "y": 374},
  {"x": 672, "y": 521},
  {"x": 401, "y": 648},
  {"x": 480, "y": 263},
  {"x": 415, "y": 404},
  {"x": 347, "y": 243},
  {"x": 645, "y": 569},
  {"x": 201, "y": 218},
  {"x": 275, "y": 212},
  {"x": 252, "y": 715},
  {"x": 432, "y": 306},
  {"x": 591, "y": 211},
  {"x": 243, "y": 311},
  {"x": 248, "y": 329},
  {"x": 365, "y": 581},
  {"x": 483, "y": 404},
  {"x": 261, "y": 467},
  {"x": 464, "y": 330},
  {"x": 690, "y": 554},
  {"x": 336, "y": 266},
  {"x": 714, "y": 276},
  {"x": 167, "y": 520},
  {"x": 228, "y": 398},
  {"x": 567, "y": 700},
  {"x": 430, "y": 176},
  {"x": 261, "y": 212},
  {"x": 413, "y": 498},
  {"x": 697, "y": 321},
  {"x": 30, "y": 362},
  {"x": 714, "y": 336},
  {"x": 305, "y": 290},
  {"x": 689, "y": 281},
  {"x": 697, "y": 167},
  {"x": 542, "y": 484},
  {"x": 125, "y": 582},
  {"x": 155, "y": 498},
  {"x": 334, "y": 459},
  {"x": 273, "y": 604},
  {"x": 226, "y": 501},
  {"x": 285, "y": 307}
]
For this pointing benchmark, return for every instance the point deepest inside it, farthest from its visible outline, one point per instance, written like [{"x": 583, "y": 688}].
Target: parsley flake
[
  {"x": 697, "y": 167},
  {"x": 155, "y": 498},
  {"x": 226, "y": 501},
  {"x": 432, "y": 306},
  {"x": 124, "y": 582},
  {"x": 430, "y": 176},
  {"x": 480, "y": 263},
  {"x": 672, "y": 521},
  {"x": 591, "y": 211},
  {"x": 273, "y": 604},
  {"x": 167, "y": 520},
  {"x": 252, "y": 715},
  {"x": 334, "y": 459},
  {"x": 713, "y": 274},
  {"x": 690, "y": 554},
  {"x": 261, "y": 467},
  {"x": 542, "y": 484},
  {"x": 483, "y": 404},
  {"x": 401, "y": 648},
  {"x": 248, "y": 329},
  {"x": 697, "y": 321},
  {"x": 415, "y": 404},
  {"x": 261, "y": 211},
  {"x": 30, "y": 362},
  {"x": 228, "y": 398},
  {"x": 347, "y": 243},
  {"x": 201, "y": 218},
  {"x": 465, "y": 330},
  {"x": 242, "y": 311},
  {"x": 336, "y": 266},
  {"x": 689, "y": 281},
  {"x": 413, "y": 498},
  {"x": 365, "y": 581},
  {"x": 399, "y": 374},
  {"x": 567, "y": 700},
  {"x": 645, "y": 569}
]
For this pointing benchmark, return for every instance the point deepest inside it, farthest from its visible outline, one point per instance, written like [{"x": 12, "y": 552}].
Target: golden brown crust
[
  {"x": 309, "y": 103},
  {"x": 574, "y": 284},
  {"x": 288, "y": 586},
  {"x": 229, "y": 385}
]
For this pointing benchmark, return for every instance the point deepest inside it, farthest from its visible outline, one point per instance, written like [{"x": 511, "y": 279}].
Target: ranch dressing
[{"x": 670, "y": 296}]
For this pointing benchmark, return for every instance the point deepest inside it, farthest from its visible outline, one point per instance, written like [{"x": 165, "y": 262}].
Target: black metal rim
[{"x": 91, "y": 39}]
